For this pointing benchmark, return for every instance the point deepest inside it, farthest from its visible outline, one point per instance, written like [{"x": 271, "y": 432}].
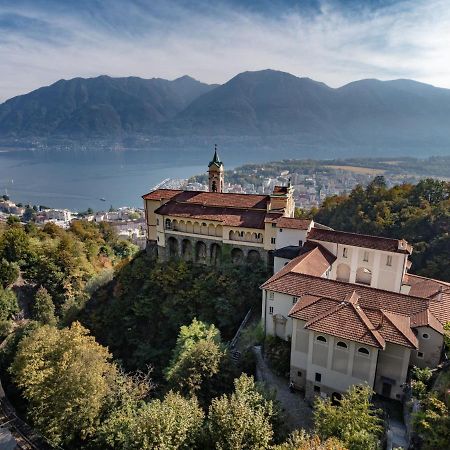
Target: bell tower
[{"x": 216, "y": 173}]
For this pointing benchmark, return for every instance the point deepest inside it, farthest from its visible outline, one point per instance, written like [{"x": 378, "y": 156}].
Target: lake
[{"x": 78, "y": 180}]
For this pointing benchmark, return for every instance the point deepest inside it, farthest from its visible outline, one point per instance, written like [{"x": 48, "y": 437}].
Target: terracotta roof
[
  {"x": 423, "y": 287},
  {"x": 235, "y": 217},
  {"x": 360, "y": 240},
  {"x": 161, "y": 194},
  {"x": 426, "y": 318},
  {"x": 297, "y": 284},
  {"x": 294, "y": 224}
]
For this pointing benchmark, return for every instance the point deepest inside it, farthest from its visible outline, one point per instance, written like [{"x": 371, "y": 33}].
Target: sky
[{"x": 334, "y": 41}]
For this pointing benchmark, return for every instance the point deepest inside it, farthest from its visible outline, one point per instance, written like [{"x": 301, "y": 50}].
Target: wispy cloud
[{"x": 335, "y": 42}]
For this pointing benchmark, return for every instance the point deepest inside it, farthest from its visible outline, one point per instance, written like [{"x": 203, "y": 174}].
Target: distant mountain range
[{"x": 261, "y": 105}]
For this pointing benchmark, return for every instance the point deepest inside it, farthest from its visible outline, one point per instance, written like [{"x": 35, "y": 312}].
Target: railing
[{"x": 238, "y": 332}]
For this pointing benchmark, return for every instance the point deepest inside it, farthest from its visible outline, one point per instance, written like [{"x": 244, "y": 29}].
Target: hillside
[
  {"x": 98, "y": 106},
  {"x": 264, "y": 106}
]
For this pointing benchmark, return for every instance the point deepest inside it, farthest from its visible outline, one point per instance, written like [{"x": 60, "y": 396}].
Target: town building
[
  {"x": 205, "y": 226},
  {"x": 351, "y": 310}
]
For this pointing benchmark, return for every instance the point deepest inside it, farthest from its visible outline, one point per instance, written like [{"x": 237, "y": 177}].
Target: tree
[
  {"x": 66, "y": 377},
  {"x": 172, "y": 423},
  {"x": 353, "y": 421},
  {"x": 196, "y": 358},
  {"x": 8, "y": 272},
  {"x": 14, "y": 244},
  {"x": 432, "y": 423},
  {"x": 8, "y": 304},
  {"x": 300, "y": 440},
  {"x": 43, "y": 308},
  {"x": 242, "y": 419}
]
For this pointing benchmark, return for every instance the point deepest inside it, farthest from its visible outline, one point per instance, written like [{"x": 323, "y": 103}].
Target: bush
[{"x": 278, "y": 352}]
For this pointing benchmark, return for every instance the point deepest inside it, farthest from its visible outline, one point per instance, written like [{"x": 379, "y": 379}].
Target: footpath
[{"x": 296, "y": 410}]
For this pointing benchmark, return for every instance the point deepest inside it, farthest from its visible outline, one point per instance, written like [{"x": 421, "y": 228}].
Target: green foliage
[
  {"x": 140, "y": 313},
  {"x": 300, "y": 440},
  {"x": 43, "y": 307},
  {"x": 65, "y": 376},
  {"x": 278, "y": 352},
  {"x": 424, "y": 375},
  {"x": 172, "y": 423},
  {"x": 419, "y": 213},
  {"x": 14, "y": 244},
  {"x": 125, "y": 249},
  {"x": 242, "y": 419},
  {"x": 8, "y": 304},
  {"x": 196, "y": 358},
  {"x": 447, "y": 336},
  {"x": 9, "y": 272},
  {"x": 432, "y": 423},
  {"x": 353, "y": 421}
]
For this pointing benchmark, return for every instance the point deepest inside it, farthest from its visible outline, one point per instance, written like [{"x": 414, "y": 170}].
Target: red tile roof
[
  {"x": 161, "y": 194},
  {"x": 294, "y": 224},
  {"x": 247, "y": 218},
  {"x": 360, "y": 240}
]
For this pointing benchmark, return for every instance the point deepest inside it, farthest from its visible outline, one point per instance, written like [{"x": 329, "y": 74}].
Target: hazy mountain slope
[
  {"x": 271, "y": 107},
  {"x": 98, "y": 106}
]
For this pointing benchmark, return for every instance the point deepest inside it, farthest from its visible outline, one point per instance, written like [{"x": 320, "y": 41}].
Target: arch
[
  {"x": 364, "y": 351},
  {"x": 341, "y": 345},
  {"x": 182, "y": 225},
  {"x": 196, "y": 228},
  {"x": 219, "y": 231},
  {"x": 189, "y": 227},
  {"x": 237, "y": 255},
  {"x": 253, "y": 256},
  {"x": 168, "y": 224},
  {"x": 363, "y": 276},
  {"x": 211, "y": 230},
  {"x": 215, "y": 254},
  {"x": 175, "y": 224},
  {"x": 343, "y": 272},
  {"x": 200, "y": 252},
  {"x": 172, "y": 245},
  {"x": 321, "y": 339},
  {"x": 186, "y": 250},
  {"x": 231, "y": 235},
  {"x": 248, "y": 236},
  {"x": 204, "y": 228}
]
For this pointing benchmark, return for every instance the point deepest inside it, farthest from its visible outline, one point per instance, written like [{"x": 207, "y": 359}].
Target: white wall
[
  {"x": 288, "y": 236},
  {"x": 281, "y": 305}
]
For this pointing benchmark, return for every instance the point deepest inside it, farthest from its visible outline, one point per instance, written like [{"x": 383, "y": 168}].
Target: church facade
[{"x": 206, "y": 227}]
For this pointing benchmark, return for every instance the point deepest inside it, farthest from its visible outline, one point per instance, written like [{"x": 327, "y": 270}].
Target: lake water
[{"x": 78, "y": 180}]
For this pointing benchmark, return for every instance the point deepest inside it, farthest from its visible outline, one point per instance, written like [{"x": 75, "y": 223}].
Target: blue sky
[{"x": 332, "y": 41}]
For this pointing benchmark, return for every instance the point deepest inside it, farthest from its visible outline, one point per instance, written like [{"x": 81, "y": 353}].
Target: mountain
[
  {"x": 256, "y": 107},
  {"x": 98, "y": 106}
]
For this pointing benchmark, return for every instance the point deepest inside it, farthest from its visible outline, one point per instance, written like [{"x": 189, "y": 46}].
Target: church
[
  {"x": 345, "y": 301},
  {"x": 205, "y": 227}
]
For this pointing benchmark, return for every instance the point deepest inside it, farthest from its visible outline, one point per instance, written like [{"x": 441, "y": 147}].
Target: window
[
  {"x": 168, "y": 224},
  {"x": 321, "y": 339},
  {"x": 318, "y": 377},
  {"x": 341, "y": 344},
  {"x": 158, "y": 239},
  {"x": 299, "y": 374},
  {"x": 389, "y": 260},
  {"x": 272, "y": 240},
  {"x": 300, "y": 243},
  {"x": 317, "y": 389},
  {"x": 157, "y": 221},
  {"x": 274, "y": 225},
  {"x": 420, "y": 354},
  {"x": 281, "y": 230},
  {"x": 425, "y": 336},
  {"x": 294, "y": 300},
  {"x": 271, "y": 295},
  {"x": 271, "y": 310},
  {"x": 366, "y": 256},
  {"x": 345, "y": 252},
  {"x": 363, "y": 351},
  {"x": 203, "y": 224}
]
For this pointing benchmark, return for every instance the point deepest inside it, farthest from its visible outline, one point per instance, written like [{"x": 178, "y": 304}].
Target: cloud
[{"x": 335, "y": 42}]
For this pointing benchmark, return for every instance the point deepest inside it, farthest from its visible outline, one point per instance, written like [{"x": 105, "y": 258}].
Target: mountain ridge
[{"x": 258, "y": 104}]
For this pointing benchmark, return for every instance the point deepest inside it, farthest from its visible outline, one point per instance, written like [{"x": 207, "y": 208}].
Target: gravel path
[{"x": 298, "y": 412}]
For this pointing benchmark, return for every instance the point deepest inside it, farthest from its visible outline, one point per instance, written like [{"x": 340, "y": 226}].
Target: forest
[{"x": 103, "y": 347}]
